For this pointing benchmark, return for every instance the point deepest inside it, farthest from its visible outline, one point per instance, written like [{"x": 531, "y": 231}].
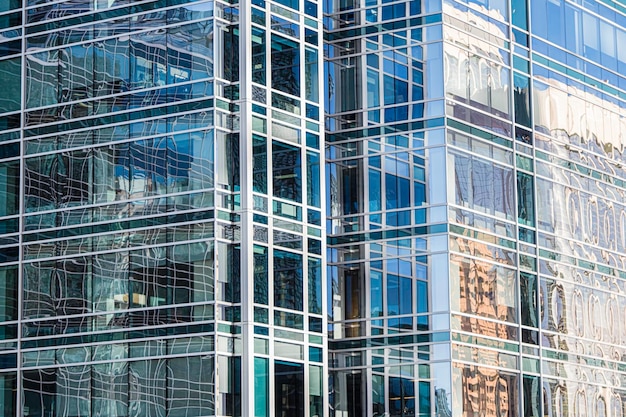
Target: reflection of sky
[{"x": 159, "y": 159}]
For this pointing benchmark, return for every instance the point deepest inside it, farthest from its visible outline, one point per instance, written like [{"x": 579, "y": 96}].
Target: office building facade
[
  {"x": 289, "y": 208},
  {"x": 476, "y": 222},
  {"x": 162, "y": 240}
]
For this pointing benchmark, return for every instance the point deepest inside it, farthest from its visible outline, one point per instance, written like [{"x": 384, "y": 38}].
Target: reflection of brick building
[
  {"x": 488, "y": 392},
  {"x": 486, "y": 290}
]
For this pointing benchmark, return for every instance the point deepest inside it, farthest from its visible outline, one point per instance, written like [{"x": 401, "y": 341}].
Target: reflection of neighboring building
[
  {"x": 521, "y": 153},
  {"x": 190, "y": 227},
  {"x": 157, "y": 257}
]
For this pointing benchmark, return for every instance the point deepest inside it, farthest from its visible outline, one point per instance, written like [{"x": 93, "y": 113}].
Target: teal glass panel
[
  {"x": 378, "y": 395},
  {"x": 315, "y": 324},
  {"x": 9, "y": 188},
  {"x": 229, "y": 272},
  {"x": 230, "y": 60},
  {"x": 521, "y": 99},
  {"x": 529, "y": 300},
  {"x": 259, "y": 58},
  {"x": 7, "y": 5},
  {"x": 259, "y": 162},
  {"x": 8, "y": 294},
  {"x": 7, "y": 21},
  {"x": 294, "y": 4},
  {"x": 190, "y": 268},
  {"x": 313, "y": 186},
  {"x": 532, "y": 396},
  {"x": 261, "y": 315},
  {"x": 315, "y": 286},
  {"x": 424, "y": 398},
  {"x": 109, "y": 395},
  {"x": 420, "y": 193},
  {"x": 285, "y": 65},
  {"x": 315, "y": 354},
  {"x": 260, "y": 275},
  {"x": 43, "y": 78},
  {"x": 288, "y": 280},
  {"x": 261, "y": 387},
  {"x": 286, "y": 167},
  {"x": 422, "y": 303},
  {"x": 190, "y": 386},
  {"x": 11, "y": 76},
  {"x": 291, "y": 320},
  {"x": 58, "y": 289},
  {"x": 316, "y": 403},
  {"x": 147, "y": 388},
  {"x": 8, "y": 385},
  {"x": 311, "y": 75},
  {"x": 312, "y": 140}
]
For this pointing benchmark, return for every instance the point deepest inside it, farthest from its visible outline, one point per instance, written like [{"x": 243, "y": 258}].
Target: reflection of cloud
[
  {"x": 582, "y": 115},
  {"x": 478, "y": 17}
]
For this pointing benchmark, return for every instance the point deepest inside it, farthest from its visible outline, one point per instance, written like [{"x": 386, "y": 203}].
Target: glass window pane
[
  {"x": 109, "y": 395},
  {"x": 190, "y": 52},
  {"x": 289, "y": 389},
  {"x": 258, "y": 56},
  {"x": 314, "y": 190},
  {"x": 8, "y": 293},
  {"x": 287, "y": 280},
  {"x": 525, "y": 199},
  {"x": 111, "y": 69},
  {"x": 39, "y": 389},
  {"x": 315, "y": 391},
  {"x": 260, "y": 275},
  {"x": 261, "y": 387},
  {"x": 42, "y": 71},
  {"x": 147, "y": 388},
  {"x": 9, "y": 188},
  {"x": 259, "y": 149},
  {"x": 190, "y": 386},
  {"x": 285, "y": 65},
  {"x": 148, "y": 62},
  {"x": 312, "y": 75},
  {"x": 8, "y": 385},
  {"x": 11, "y": 75},
  {"x": 286, "y": 169},
  {"x": 315, "y": 286},
  {"x": 376, "y": 293}
]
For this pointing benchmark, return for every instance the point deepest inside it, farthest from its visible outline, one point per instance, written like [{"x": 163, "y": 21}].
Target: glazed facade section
[
  {"x": 386, "y": 151},
  {"x": 476, "y": 192},
  {"x": 162, "y": 241}
]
